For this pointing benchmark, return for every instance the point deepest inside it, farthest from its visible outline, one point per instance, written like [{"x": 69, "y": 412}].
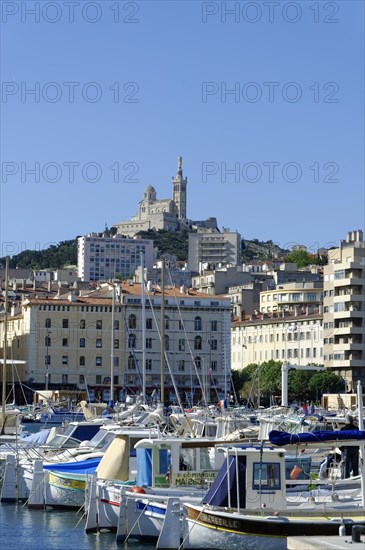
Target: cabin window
[{"x": 266, "y": 475}]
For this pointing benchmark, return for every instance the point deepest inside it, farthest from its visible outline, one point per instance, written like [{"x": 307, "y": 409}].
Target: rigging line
[
  {"x": 188, "y": 342},
  {"x": 166, "y": 358}
]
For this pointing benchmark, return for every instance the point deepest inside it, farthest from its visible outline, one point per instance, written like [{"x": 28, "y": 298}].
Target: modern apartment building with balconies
[{"x": 344, "y": 309}]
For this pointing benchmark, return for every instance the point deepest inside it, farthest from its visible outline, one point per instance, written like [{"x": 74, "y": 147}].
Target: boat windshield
[{"x": 102, "y": 439}]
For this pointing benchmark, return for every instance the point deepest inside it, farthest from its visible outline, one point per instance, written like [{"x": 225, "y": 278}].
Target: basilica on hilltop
[{"x": 166, "y": 214}]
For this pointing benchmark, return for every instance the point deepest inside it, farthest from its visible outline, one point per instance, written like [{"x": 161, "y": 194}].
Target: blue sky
[{"x": 147, "y": 82}]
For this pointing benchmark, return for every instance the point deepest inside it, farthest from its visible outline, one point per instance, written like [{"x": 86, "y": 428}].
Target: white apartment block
[
  {"x": 105, "y": 258},
  {"x": 214, "y": 248},
  {"x": 293, "y": 297},
  {"x": 279, "y": 337},
  {"x": 73, "y": 340},
  {"x": 344, "y": 309}
]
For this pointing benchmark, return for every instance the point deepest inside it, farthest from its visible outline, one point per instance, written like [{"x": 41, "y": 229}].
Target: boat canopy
[{"x": 284, "y": 438}]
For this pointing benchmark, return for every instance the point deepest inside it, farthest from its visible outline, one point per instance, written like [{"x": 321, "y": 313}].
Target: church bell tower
[{"x": 179, "y": 184}]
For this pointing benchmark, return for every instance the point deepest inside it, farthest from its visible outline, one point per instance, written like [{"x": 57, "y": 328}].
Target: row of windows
[
  {"x": 132, "y": 323},
  {"x": 82, "y": 324},
  {"x": 82, "y": 360},
  {"x": 132, "y": 340},
  {"x": 132, "y": 364}
]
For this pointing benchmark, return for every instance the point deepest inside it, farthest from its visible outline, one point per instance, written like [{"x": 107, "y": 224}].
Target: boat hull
[{"x": 207, "y": 528}]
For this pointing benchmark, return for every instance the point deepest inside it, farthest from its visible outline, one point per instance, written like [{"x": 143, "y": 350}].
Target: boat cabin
[{"x": 250, "y": 478}]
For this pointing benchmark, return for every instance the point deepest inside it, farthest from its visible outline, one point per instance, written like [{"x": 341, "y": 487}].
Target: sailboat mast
[
  {"x": 143, "y": 330},
  {"x": 5, "y": 339},
  {"x": 111, "y": 398},
  {"x": 162, "y": 380}
]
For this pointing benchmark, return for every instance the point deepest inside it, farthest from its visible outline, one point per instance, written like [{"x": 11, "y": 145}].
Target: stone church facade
[{"x": 153, "y": 213}]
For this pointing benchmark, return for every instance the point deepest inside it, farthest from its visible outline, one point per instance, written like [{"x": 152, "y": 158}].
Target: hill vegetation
[{"x": 175, "y": 243}]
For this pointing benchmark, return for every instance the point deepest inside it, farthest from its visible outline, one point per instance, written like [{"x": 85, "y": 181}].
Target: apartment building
[
  {"x": 293, "y": 297},
  {"x": 214, "y": 248},
  {"x": 344, "y": 309},
  {"x": 286, "y": 337},
  {"x": 102, "y": 257},
  {"x": 73, "y": 341}
]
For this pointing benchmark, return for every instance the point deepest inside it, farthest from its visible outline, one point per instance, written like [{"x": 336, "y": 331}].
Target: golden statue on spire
[{"x": 179, "y": 163}]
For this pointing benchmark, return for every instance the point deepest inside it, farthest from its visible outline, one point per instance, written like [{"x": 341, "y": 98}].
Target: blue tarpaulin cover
[
  {"x": 82, "y": 467},
  {"x": 284, "y": 438}
]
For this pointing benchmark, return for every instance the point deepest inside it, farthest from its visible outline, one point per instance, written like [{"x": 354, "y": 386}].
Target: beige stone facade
[
  {"x": 71, "y": 339},
  {"x": 288, "y": 338},
  {"x": 344, "y": 309}
]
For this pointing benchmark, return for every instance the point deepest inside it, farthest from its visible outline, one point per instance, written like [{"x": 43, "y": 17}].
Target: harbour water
[{"x": 53, "y": 530}]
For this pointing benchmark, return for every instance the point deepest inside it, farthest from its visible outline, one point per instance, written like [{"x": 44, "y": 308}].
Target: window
[
  {"x": 181, "y": 344},
  {"x": 116, "y": 379},
  {"x": 132, "y": 321},
  {"x": 65, "y": 342},
  {"x": 64, "y": 323},
  {"x": 198, "y": 342},
  {"x": 131, "y": 340},
  {"x": 167, "y": 342},
  {"x": 131, "y": 362},
  {"x": 214, "y": 326},
  {"x": 116, "y": 325},
  {"x": 181, "y": 325},
  {"x": 214, "y": 344},
  {"x": 82, "y": 361},
  {"x": 47, "y": 323},
  {"x": 198, "y": 362},
  {"x": 213, "y": 365},
  {"x": 99, "y": 343},
  {"x": 167, "y": 322},
  {"x": 47, "y": 341},
  {"x": 149, "y": 323},
  {"x": 65, "y": 379},
  {"x": 82, "y": 342},
  {"x": 98, "y": 361},
  {"x": 81, "y": 379},
  {"x": 266, "y": 475},
  {"x": 64, "y": 360},
  {"x": 82, "y": 323},
  {"x": 181, "y": 365},
  {"x": 148, "y": 343},
  {"x": 148, "y": 364},
  {"x": 115, "y": 361},
  {"x": 116, "y": 343},
  {"x": 47, "y": 359},
  {"x": 99, "y": 324},
  {"x": 197, "y": 323},
  {"x": 98, "y": 379}
]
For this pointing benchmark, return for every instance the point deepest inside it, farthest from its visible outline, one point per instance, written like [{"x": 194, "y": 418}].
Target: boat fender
[
  {"x": 137, "y": 489},
  {"x": 342, "y": 530}
]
